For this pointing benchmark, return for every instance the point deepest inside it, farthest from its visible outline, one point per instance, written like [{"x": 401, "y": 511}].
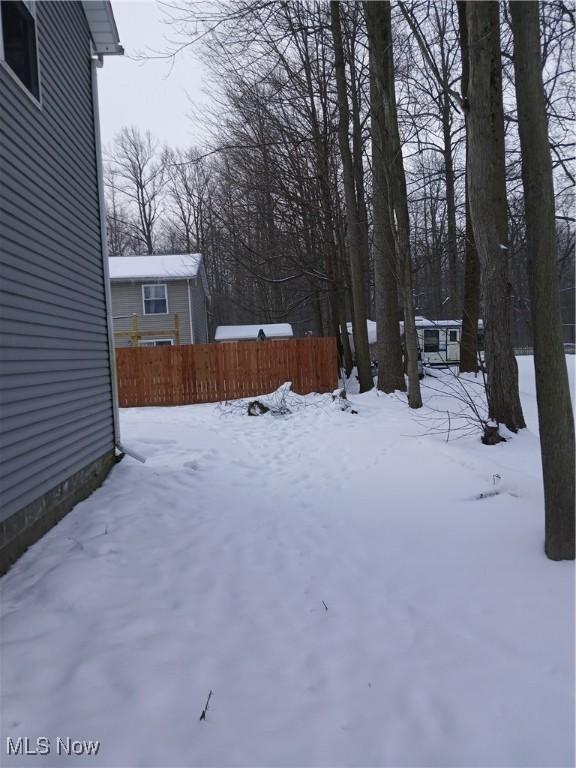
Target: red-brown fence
[{"x": 208, "y": 373}]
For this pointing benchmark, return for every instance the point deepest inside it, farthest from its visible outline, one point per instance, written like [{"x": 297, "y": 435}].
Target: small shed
[{"x": 254, "y": 332}]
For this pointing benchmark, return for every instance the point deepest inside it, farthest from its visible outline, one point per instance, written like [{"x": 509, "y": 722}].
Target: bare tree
[
  {"x": 555, "y": 416},
  {"x": 390, "y": 368},
  {"x": 398, "y": 201},
  {"x": 471, "y": 301},
  {"x": 487, "y": 194},
  {"x": 186, "y": 191},
  {"x": 139, "y": 173},
  {"x": 436, "y": 78},
  {"x": 119, "y": 224},
  {"x": 353, "y": 224}
]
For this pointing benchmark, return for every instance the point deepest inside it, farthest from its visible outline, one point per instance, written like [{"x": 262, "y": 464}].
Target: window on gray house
[
  {"x": 155, "y": 300},
  {"x": 19, "y": 43},
  {"x": 157, "y": 343}
]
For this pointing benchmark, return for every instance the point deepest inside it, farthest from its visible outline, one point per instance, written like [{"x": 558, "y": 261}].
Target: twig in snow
[
  {"x": 203, "y": 715},
  {"x": 324, "y": 604},
  {"x": 486, "y": 495}
]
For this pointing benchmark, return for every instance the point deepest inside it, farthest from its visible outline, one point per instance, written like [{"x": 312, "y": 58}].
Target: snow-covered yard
[{"x": 334, "y": 579}]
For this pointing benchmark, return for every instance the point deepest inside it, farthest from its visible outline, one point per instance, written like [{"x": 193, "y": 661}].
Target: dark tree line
[{"x": 371, "y": 160}]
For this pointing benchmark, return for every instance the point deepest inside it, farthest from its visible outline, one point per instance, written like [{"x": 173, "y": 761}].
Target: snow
[
  {"x": 234, "y": 332},
  {"x": 352, "y": 590},
  {"x": 166, "y": 267}
]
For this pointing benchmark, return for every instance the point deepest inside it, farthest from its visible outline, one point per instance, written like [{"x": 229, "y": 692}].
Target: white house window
[
  {"x": 18, "y": 44},
  {"x": 157, "y": 343},
  {"x": 155, "y": 300},
  {"x": 431, "y": 341},
  {"x": 453, "y": 335}
]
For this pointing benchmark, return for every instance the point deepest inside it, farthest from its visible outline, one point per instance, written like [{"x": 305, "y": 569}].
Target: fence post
[
  {"x": 135, "y": 336},
  {"x": 177, "y": 329}
]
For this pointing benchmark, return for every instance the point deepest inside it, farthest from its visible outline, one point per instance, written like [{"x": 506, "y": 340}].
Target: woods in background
[
  {"x": 369, "y": 160},
  {"x": 266, "y": 202}
]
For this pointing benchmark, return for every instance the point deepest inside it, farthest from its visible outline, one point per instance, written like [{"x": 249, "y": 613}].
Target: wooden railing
[
  {"x": 136, "y": 333},
  {"x": 204, "y": 373}
]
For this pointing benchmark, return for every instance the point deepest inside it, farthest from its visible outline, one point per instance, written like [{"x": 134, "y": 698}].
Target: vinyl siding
[
  {"x": 127, "y": 300},
  {"x": 55, "y": 385},
  {"x": 199, "y": 316}
]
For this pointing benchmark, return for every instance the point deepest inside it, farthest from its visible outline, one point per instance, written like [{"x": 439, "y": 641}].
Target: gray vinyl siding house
[
  {"x": 57, "y": 410},
  {"x": 179, "y": 282}
]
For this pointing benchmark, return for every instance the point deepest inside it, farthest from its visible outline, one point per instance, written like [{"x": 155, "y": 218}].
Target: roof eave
[
  {"x": 159, "y": 278},
  {"x": 103, "y": 30}
]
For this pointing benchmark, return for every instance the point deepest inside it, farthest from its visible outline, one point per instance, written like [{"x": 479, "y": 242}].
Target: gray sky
[{"x": 149, "y": 94}]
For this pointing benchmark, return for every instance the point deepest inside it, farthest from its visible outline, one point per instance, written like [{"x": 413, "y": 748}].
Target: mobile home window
[
  {"x": 18, "y": 43},
  {"x": 155, "y": 300},
  {"x": 431, "y": 340},
  {"x": 453, "y": 335}
]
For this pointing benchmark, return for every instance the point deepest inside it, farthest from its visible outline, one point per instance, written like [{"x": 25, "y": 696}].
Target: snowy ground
[{"x": 333, "y": 578}]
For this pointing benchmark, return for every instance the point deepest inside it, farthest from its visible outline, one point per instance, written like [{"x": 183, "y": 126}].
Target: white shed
[{"x": 253, "y": 332}]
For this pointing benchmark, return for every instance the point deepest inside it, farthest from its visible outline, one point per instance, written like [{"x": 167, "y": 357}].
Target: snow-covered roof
[
  {"x": 242, "y": 332},
  {"x": 371, "y": 326},
  {"x": 165, "y": 267},
  {"x": 421, "y": 322}
]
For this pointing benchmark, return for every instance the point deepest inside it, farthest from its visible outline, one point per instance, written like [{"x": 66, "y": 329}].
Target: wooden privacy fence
[{"x": 208, "y": 373}]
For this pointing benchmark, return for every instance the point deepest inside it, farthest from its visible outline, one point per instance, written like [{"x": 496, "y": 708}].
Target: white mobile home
[{"x": 438, "y": 340}]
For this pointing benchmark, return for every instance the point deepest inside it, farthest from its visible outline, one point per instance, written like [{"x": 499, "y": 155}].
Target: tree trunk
[
  {"x": 358, "y": 164},
  {"x": 359, "y": 316},
  {"x": 555, "y": 417},
  {"x": 452, "y": 246},
  {"x": 471, "y": 304},
  {"x": 390, "y": 367},
  {"x": 487, "y": 194},
  {"x": 471, "y": 301},
  {"x": 446, "y": 119},
  {"x": 336, "y": 318},
  {"x": 398, "y": 203}
]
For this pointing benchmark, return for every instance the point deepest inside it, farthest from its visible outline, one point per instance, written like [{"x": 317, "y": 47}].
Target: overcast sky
[{"x": 149, "y": 94}]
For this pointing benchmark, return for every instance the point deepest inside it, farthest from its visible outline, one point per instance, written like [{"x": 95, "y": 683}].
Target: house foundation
[{"x": 25, "y": 527}]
